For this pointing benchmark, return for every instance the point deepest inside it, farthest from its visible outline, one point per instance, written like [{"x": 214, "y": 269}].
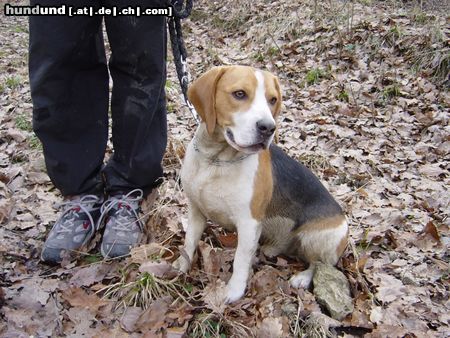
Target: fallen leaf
[
  {"x": 130, "y": 317},
  {"x": 82, "y": 318},
  {"x": 383, "y": 331},
  {"x": 2, "y": 297},
  {"x": 37, "y": 177},
  {"x": 270, "y": 328},
  {"x": 432, "y": 170},
  {"x": 181, "y": 314},
  {"x": 153, "y": 319},
  {"x": 5, "y": 209},
  {"x": 228, "y": 240},
  {"x": 159, "y": 269},
  {"x": 376, "y": 315},
  {"x": 389, "y": 287},
  {"x": 264, "y": 282},
  {"x": 86, "y": 276},
  {"x": 431, "y": 229},
  {"x": 176, "y": 332},
  {"x": 33, "y": 293},
  {"x": 77, "y": 297},
  {"x": 143, "y": 253},
  {"x": 214, "y": 296},
  {"x": 212, "y": 262}
]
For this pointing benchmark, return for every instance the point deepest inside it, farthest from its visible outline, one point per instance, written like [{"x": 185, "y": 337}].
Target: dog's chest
[{"x": 223, "y": 192}]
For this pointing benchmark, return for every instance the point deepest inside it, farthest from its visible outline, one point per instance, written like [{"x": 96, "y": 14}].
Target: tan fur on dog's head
[
  {"x": 215, "y": 94},
  {"x": 202, "y": 94}
]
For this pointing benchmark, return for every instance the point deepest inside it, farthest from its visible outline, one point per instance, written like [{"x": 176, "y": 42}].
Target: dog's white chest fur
[{"x": 222, "y": 192}]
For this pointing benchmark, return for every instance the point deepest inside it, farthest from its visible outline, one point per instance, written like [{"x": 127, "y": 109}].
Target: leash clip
[
  {"x": 192, "y": 110},
  {"x": 186, "y": 78}
]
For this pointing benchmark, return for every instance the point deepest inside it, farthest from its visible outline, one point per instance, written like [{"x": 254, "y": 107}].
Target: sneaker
[
  {"x": 123, "y": 227},
  {"x": 74, "y": 228}
]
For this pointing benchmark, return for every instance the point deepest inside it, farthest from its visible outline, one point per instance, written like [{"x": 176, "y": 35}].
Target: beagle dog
[{"x": 233, "y": 175}]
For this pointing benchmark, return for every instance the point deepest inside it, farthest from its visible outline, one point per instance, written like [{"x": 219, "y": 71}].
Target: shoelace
[
  {"x": 73, "y": 208},
  {"x": 127, "y": 205}
]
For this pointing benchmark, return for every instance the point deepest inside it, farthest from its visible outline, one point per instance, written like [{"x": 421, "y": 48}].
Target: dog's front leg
[
  {"x": 194, "y": 231},
  {"x": 248, "y": 236}
]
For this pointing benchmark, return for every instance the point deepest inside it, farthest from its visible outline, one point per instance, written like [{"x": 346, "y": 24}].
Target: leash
[{"x": 181, "y": 11}]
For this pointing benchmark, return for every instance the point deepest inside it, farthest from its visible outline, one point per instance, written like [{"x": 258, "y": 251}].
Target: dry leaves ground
[{"x": 366, "y": 107}]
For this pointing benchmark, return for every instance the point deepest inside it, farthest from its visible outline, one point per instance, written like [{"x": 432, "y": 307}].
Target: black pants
[{"x": 69, "y": 89}]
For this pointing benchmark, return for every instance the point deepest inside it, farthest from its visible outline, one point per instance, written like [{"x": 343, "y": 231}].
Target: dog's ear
[
  {"x": 202, "y": 94},
  {"x": 279, "y": 98}
]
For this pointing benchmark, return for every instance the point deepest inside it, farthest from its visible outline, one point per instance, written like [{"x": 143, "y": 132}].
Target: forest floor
[{"x": 366, "y": 107}]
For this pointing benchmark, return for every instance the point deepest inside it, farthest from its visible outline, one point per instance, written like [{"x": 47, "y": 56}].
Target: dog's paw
[
  {"x": 270, "y": 250},
  {"x": 181, "y": 264},
  {"x": 302, "y": 279},
  {"x": 234, "y": 291}
]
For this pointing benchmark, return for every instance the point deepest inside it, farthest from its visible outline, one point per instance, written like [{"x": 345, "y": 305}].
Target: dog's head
[{"x": 242, "y": 101}]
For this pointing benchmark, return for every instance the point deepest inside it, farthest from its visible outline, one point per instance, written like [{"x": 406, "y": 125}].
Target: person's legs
[
  {"x": 69, "y": 89},
  {"x": 138, "y": 70}
]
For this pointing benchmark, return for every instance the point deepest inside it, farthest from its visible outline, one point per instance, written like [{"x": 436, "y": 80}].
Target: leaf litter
[{"x": 366, "y": 107}]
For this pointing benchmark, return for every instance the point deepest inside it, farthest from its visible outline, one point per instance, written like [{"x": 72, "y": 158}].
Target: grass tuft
[
  {"x": 391, "y": 91},
  {"x": 314, "y": 76},
  {"x": 34, "y": 143},
  {"x": 20, "y": 29},
  {"x": 318, "y": 163},
  {"x": 208, "y": 326},
  {"x": 343, "y": 96},
  {"x": 13, "y": 82},
  {"x": 24, "y": 123},
  {"x": 143, "y": 289},
  {"x": 313, "y": 327},
  {"x": 258, "y": 56},
  {"x": 93, "y": 258}
]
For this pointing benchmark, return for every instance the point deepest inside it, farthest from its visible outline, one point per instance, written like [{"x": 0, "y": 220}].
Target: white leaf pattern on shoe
[
  {"x": 74, "y": 228},
  {"x": 123, "y": 227}
]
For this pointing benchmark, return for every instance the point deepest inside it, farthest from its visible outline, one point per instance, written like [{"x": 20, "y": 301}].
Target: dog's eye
[
  {"x": 273, "y": 100},
  {"x": 239, "y": 94}
]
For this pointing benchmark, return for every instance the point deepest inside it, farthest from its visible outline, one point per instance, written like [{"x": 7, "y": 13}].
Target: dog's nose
[{"x": 265, "y": 127}]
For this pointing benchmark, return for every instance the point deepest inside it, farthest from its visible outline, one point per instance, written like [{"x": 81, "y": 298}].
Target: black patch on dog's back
[{"x": 298, "y": 193}]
